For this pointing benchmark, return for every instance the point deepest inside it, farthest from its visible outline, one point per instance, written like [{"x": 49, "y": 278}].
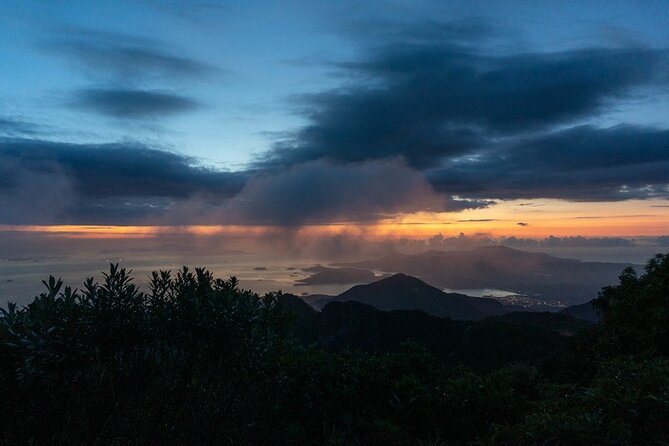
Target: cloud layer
[
  {"x": 581, "y": 163},
  {"x": 322, "y": 192},
  {"x": 101, "y": 183},
  {"x": 133, "y": 104},
  {"x": 483, "y": 126},
  {"x": 429, "y": 102},
  {"x": 116, "y": 57},
  {"x": 428, "y": 121},
  {"x": 135, "y": 77}
]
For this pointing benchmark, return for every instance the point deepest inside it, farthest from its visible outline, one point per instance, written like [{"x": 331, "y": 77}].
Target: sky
[{"x": 384, "y": 120}]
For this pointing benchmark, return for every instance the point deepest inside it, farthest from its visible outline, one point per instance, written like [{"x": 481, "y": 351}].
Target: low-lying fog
[{"x": 268, "y": 266}]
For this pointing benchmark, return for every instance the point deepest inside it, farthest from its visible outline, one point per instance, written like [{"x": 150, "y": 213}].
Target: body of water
[{"x": 21, "y": 278}]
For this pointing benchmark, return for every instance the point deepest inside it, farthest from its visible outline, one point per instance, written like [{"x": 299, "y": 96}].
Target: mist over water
[{"x": 20, "y": 277}]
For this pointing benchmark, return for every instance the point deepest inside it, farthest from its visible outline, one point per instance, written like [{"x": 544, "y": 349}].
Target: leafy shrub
[
  {"x": 196, "y": 360},
  {"x": 636, "y": 312},
  {"x": 627, "y": 402},
  {"x": 192, "y": 360}
]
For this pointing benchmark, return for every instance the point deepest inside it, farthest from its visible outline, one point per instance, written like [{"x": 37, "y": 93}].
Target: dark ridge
[
  {"x": 551, "y": 279},
  {"x": 586, "y": 312},
  {"x": 404, "y": 292}
]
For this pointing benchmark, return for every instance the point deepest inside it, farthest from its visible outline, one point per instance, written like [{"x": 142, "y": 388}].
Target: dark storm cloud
[
  {"x": 428, "y": 101},
  {"x": 127, "y": 170},
  {"x": 585, "y": 146},
  {"x": 321, "y": 192},
  {"x": 483, "y": 126},
  {"x": 52, "y": 182},
  {"x": 32, "y": 197},
  {"x": 133, "y": 104},
  {"x": 457, "y": 204},
  {"x": 509, "y": 93},
  {"x": 132, "y": 183},
  {"x": 135, "y": 77},
  {"x": 432, "y": 123},
  {"x": 120, "y": 57},
  {"x": 581, "y": 163}
]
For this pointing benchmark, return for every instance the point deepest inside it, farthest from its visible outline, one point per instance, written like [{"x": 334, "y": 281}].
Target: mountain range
[
  {"x": 551, "y": 279},
  {"x": 403, "y": 292},
  {"x": 485, "y": 342}
]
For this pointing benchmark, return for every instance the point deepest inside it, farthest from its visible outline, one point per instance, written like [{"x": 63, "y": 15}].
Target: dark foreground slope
[
  {"x": 587, "y": 312},
  {"x": 482, "y": 344},
  {"x": 195, "y": 360}
]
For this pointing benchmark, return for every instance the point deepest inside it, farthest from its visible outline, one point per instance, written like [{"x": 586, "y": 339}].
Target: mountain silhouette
[
  {"x": 487, "y": 343},
  {"x": 586, "y": 312},
  {"x": 553, "y": 279},
  {"x": 403, "y": 292}
]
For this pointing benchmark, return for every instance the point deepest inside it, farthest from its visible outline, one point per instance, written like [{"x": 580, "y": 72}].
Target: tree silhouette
[{"x": 636, "y": 311}]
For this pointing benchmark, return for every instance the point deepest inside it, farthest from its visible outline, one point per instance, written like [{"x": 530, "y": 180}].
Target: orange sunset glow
[{"x": 543, "y": 218}]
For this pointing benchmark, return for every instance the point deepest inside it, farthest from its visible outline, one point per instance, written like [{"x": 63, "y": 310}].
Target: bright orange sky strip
[{"x": 543, "y": 218}]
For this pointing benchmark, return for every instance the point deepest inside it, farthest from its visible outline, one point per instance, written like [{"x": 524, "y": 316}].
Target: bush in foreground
[{"x": 196, "y": 360}]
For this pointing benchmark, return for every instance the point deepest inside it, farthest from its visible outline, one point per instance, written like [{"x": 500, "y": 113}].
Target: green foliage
[
  {"x": 190, "y": 360},
  {"x": 627, "y": 402},
  {"x": 196, "y": 360},
  {"x": 636, "y": 312}
]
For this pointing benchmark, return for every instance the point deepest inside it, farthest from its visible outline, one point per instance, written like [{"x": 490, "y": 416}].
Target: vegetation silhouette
[{"x": 196, "y": 360}]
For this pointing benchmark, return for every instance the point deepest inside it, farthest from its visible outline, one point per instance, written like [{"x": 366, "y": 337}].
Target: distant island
[
  {"x": 552, "y": 279},
  {"x": 322, "y": 275}
]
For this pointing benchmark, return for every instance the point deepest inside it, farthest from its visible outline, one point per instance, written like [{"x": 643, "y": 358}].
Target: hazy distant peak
[
  {"x": 551, "y": 279},
  {"x": 498, "y": 248},
  {"x": 399, "y": 277},
  {"x": 401, "y": 280}
]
